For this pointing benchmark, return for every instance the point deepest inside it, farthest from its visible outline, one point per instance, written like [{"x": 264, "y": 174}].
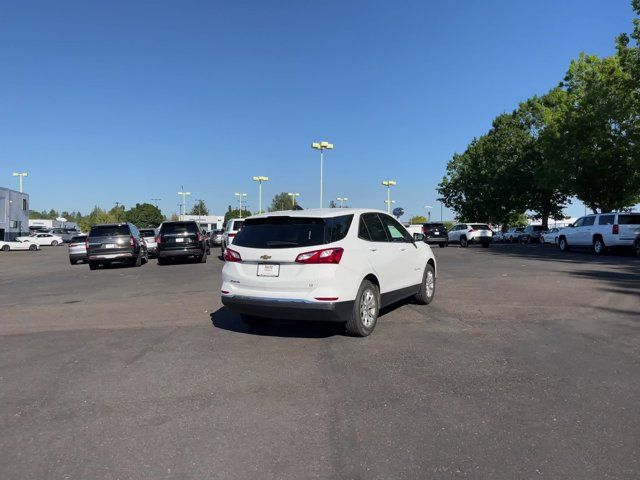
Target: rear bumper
[
  {"x": 289, "y": 309},
  {"x": 110, "y": 256},
  {"x": 435, "y": 239},
  {"x": 481, "y": 240},
  {"x": 180, "y": 252},
  {"x": 77, "y": 256}
]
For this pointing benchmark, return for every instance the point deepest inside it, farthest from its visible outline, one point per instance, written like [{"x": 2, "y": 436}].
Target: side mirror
[{"x": 418, "y": 237}]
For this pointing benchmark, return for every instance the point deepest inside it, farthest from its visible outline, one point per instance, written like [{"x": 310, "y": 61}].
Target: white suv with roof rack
[
  {"x": 468, "y": 233},
  {"x": 601, "y": 231},
  {"x": 332, "y": 264}
]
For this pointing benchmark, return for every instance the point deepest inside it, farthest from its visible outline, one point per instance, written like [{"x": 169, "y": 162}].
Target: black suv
[
  {"x": 116, "y": 242},
  {"x": 531, "y": 234},
  {"x": 181, "y": 240},
  {"x": 435, "y": 232}
]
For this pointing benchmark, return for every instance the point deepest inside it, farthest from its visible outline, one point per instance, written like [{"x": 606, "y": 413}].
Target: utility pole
[{"x": 156, "y": 200}]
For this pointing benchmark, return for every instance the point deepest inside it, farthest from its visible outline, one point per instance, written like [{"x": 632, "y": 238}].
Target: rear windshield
[
  {"x": 433, "y": 225},
  {"x": 292, "y": 232},
  {"x": 147, "y": 232},
  {"x": 237, "y": 225},
  {"x": 79, "y": 239},
  {"x": 177, "y": 228},
  {"x": 537, "y": 228},
  {"x": 480, "y": 226},
  {"x": 109, "y": 230},
  {"x": 629, "y": 219}
]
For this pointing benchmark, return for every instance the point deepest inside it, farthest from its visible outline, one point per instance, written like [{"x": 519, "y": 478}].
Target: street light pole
[
  {"x": 389, "y": 184},
  {"x": 240, "y": 196},
  {"x": 322, "y": 146},
  {"x": 342, "y": 200},
  {"x": 20, "y": 176},
  {"x": 293, "y": 198},
  {"x": 260, "y": 179},
  {"x": 156, "y": 200},
  {"x": 429, "y": 208},
  {"x": 184, "y": 201}
]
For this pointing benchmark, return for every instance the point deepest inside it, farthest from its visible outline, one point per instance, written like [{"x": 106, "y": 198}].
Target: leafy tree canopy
[
  {"x": 417, "y": 219},
  {"x": 281, "y": 201},
  {"x": 144, "y": 215},
  {"x": 236, "y": 214},
  {"x": 200, "y": 208}
]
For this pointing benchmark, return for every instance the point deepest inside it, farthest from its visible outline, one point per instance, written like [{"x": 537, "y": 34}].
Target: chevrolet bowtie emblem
[{"x": 265, "y": 257}]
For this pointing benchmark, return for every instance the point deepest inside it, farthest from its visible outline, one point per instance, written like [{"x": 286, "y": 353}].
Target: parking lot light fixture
[
  {"x": 428, "y": 208},
  {"x": 260, "y": 179},
  {"x": 184, "y": 202},
  {"x": 389, "y": 184},
  {"x": 20, "y": 176},
  {"x": 240, "y": 197},
  {"x": 342, "y": 200},
  {"x": 322, "y": 146},
  {"x": 293, "y": 198}
]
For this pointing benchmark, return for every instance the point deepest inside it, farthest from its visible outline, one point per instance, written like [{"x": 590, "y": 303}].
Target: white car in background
[
  {"x": 550, "y": 236},
  {"x": 42, "y": 239},
  {"x": 150, "y": 238},
  {"x": 468, "y": 233},
  {"x": 230, "y": 231},
  {"x": 24, "y": 245},
  {"x": 601, "y": 231},
  {"x": 332, "y": 264}
]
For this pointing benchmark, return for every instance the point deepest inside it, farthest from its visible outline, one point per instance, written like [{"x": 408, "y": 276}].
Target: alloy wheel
[{"x": 368, "y": 308}]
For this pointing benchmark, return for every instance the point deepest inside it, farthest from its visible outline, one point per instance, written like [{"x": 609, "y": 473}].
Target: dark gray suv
[
  {"x": 116, "y": 242},
  {"x": 181, "y": 240}
]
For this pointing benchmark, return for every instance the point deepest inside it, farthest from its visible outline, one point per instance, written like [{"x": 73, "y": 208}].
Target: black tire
[
  {"x": 367, "y": 295},
  {"x": 137, "y": 261},
  {"x": 563, "y": 245},
  {"x": 636, "y": 248},
  {"x": 427, "y": 288},
  {"x": 162, "y": 261},
  {"x": 93, "y": 265},
  {"x": 203, "y": 258},
  {"x": 464, "y": 243},
  {"x": 6, "y": 248},
  {"x": 33, "y": 247},
  {"x": 485, "y": 244},
  {"x": 54, "y": 243},
  {"x": 443, "y": 244},
  {"x": 73, "y": 262},
  {"x": 598, "y": 247}
]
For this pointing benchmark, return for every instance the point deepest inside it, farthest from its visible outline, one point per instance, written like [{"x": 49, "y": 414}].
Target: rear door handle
[
  {"x": 373, "y": 249},
  {"x": 402, "y": 249}
]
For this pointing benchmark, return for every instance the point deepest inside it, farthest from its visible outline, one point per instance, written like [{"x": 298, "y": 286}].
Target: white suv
[
  {"x": 601, "y": 231},
  {"x": 334, "y": 264},
  {"x": 231, "y": 230},
  {"x": 467, "y": 233}
]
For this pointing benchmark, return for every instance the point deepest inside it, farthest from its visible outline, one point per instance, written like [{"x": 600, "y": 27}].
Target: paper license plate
[
  {"x": 110, "y": 245},
  {"x": 268, "y": 270},
  {"x": 179, "y": 240}
]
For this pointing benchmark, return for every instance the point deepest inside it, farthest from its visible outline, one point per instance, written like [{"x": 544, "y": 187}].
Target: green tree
[
  {"x": 96, "y": 217},
  {"x": 281, "y": 201},
  {"x": 417, "y": 219},
  {"x": 144, "y": 215},
  {"x": 544, "y": 160},
  {"x": 200, "y": 208},
  {"x": 174, "y": 217},
  {"x": 602, "y": 132},
  {"x": 118, "y": 214},
  {"x": 236, "y": 214}
]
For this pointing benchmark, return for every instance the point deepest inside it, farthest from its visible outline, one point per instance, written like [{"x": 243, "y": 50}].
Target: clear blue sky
[{"x": 127, "y": 100}]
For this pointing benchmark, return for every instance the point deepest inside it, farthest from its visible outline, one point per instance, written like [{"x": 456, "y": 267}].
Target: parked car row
[
  {"x": 18, "y": 245},
  {"x": 600, "y": 232}
]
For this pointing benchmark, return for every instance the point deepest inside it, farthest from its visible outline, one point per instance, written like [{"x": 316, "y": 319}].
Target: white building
[{"x": 208, "y": 222}]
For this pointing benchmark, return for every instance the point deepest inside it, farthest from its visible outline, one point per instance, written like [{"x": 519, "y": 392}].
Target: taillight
[
  {"x": 327, "y": 255},
  {"x": 616, "y": 229},
  {"x": 471, "y": 229},
  {"x": 424, "y": 230},
  {"x": 132, "y": 241},
  {"x": 231, "y": 235},
  {"x": 86, "y": 244},
  {"x": 159, "y": 239},
  {"x": 199, "y": 237},
  {"x": 232, "y": 256}
]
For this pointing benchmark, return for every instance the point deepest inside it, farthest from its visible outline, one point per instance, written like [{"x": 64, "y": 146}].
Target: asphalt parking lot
[{"x": 525, "y": 366}]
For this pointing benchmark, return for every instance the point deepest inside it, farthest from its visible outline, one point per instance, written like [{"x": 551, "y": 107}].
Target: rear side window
[
  {"x": 178, "y": 228},
  {"x": 109, "y": 230},
  {"x": 237, "y": 225},
  {"x": 588, "y": 221},
  {"x": 292, "y": 232},
  {"x": 629, "y": 219},
  {"x": 377, "y": 232},
  {"x": 606, "y": 219}
]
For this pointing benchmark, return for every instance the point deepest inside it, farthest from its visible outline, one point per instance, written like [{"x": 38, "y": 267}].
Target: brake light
[
  {"x": 232, "y": 256},
  {"x": 471, "y": 229},
  {"x": 424, "y": 230},
  {"x": 199, "y": 237},
  {"x": 231, "y": 235},
  {"x": 327, "y": 255},
  {"x": 616, "y": 229},
  {"x": 159, "y": 239},
  {"x": 86, "y": 244},
  {"x": 132, "y": 241}
]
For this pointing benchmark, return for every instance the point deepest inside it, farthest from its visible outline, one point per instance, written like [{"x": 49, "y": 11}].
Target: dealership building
[{"x": 14, "y": 214}]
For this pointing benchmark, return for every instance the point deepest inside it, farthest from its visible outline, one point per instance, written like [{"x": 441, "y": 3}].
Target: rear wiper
[{"x": 275, "y": 243}]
